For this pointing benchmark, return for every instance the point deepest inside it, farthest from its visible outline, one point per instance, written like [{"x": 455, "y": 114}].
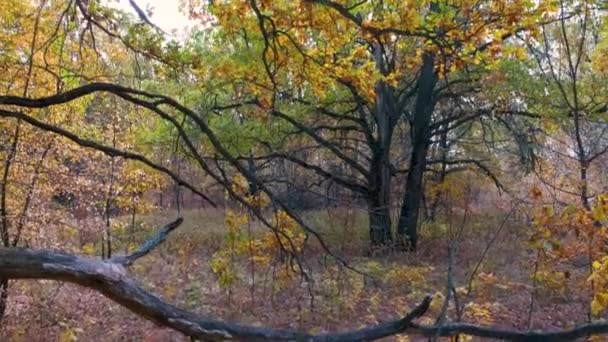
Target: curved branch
[
  {"x": 486, "y": 170},
  {"x": 73, "y": 94},
  {"x": 111, "y": 279}
]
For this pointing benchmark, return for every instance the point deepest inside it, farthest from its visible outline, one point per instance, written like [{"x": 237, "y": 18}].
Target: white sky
[{"x": 165, "y": 13}]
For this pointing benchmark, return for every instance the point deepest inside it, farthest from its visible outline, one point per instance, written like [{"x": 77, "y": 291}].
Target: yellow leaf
[
  {"x": 67, "y": 335},
  {"x": 596, "y": 308},
  {"x": 88, "y": 249}
]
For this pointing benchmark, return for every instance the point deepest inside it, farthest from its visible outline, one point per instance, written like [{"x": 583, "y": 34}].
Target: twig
[{"x": 488, "y": 246}]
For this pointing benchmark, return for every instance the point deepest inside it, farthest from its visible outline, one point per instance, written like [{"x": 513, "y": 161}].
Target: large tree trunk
[
  {"x": 379, "y": 178},
  {"x": 407, "y": 229},
  {"x": 379, "y": 225},
  {"x": 379, "y": 220},
  {"x": 379, "y": 199}
]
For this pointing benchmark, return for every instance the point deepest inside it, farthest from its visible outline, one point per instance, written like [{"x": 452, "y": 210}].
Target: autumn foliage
[{"x": 337, "y": 164}]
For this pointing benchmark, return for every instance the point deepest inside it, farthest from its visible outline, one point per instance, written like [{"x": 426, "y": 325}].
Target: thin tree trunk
[
  {"x": 407, "y": 229},
  {"x": 131, "y": 239},
  {"x": 443, "y": 151},
  {"x": 584, "y": 185},
  {"x": 107, "y": 235},
  {"x": 3, "y": 297}
]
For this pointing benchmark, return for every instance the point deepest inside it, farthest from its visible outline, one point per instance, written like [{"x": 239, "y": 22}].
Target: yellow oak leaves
[{"x": 320, "y": 46}]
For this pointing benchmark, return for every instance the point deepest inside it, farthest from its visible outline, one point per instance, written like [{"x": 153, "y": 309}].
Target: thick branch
[
  {"x": 453, "y": 329},
  {"x": 112, "y": 280},
  {"x": 357, "y": 20}
]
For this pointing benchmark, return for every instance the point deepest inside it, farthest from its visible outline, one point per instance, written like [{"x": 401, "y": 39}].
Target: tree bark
[
  {"x": 3, "y": 297},
  {"x": 379, "y": 197},
  {"x": 583, "y": 165},
  {"x": 407, "y": 228},
  {"x": 379, "y": 177},
  {"x": 379, "y": 220}
]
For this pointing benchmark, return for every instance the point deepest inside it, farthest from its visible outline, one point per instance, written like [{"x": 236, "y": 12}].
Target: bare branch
[
  {"x": 310, "y": 132},
  {"x": 149, "y": 245},
  {"x": 111, "y": 279},
  {"x": 142, "y": 15},
  {"x": 83, "y": 8},
  {"x": 486, "y": 170},
  {"x": 333, "y": 176},
  {"x": 454, "y": 329}
]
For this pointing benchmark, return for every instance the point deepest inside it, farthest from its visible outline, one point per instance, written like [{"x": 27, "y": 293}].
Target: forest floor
[{"x": 502, "y": 292}]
